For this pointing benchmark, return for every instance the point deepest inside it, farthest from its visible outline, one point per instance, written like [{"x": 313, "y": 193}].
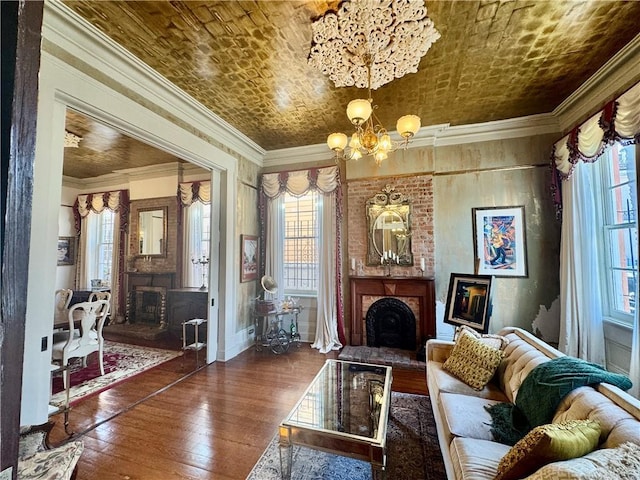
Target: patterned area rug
[
  {"x": 121, "y": 362},
  {"x": 412, "y": 450}
]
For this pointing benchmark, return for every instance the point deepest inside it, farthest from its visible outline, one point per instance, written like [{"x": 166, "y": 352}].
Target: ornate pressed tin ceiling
[{"x": 247, "y": 61}]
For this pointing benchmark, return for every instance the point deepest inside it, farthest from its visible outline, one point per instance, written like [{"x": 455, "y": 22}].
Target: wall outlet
[
  {"x": 251, "y": 330},
  {"x": 44, "y": 344}
]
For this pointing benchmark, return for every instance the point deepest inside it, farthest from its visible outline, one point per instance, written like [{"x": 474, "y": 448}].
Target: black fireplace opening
[{"x": 391, "y": 323}]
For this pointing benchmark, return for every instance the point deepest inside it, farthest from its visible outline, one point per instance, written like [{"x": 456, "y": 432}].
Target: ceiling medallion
[
  {"x": 393, "y": 35},
  {"x": 71, "y": 140}
]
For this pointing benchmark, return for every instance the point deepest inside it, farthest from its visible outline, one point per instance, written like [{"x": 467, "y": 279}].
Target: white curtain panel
[
  {"x": 192, "y": 231},
  {"x": 274, "y": 255},
  {"x": 327, "y": 325},
  {"x": 581, "y": 328}
]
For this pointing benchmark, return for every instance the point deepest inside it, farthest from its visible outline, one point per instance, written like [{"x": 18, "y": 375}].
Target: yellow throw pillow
[
  {"x": 472, "y": 361},
  {"x": 549, "y": 443},
  {"x": 492, "y": 340}
]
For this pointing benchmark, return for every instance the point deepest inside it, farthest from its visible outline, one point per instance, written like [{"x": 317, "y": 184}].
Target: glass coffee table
[{"x": 344, "y": 411}]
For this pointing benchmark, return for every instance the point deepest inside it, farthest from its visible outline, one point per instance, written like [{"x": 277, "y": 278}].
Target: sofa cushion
[
  {"x": 620, "y": 463},
  {"x": 616, "y": 423},
  {"x": 491, "y": 340},
  {"x": 446, "y": 382},
  {"x": 549, "y": 443},
  {"x": 466, "y": 416},
  {"x": 473, "y": 362},
  {"x": 476, "y": 459}
]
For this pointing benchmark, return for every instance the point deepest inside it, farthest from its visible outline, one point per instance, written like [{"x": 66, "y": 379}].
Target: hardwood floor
[{"x": 211, "y": 424}]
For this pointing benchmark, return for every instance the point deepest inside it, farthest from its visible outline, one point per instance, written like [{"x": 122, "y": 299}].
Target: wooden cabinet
[{"x": 184, "y": 304}]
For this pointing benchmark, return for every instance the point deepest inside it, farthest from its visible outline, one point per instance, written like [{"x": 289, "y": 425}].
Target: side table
[{"x": 197, "y": 345}]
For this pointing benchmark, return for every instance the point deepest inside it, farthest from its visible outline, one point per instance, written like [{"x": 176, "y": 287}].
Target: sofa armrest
[{"x": 438, "y": 350}]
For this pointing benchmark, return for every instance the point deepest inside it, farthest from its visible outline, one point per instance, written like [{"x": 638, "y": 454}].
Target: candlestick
[
  {"x": 422, "y": 264},
  {"x": 353, "y": 264}
]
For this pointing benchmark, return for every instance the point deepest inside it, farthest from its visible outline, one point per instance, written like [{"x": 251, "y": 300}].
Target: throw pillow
[
  {"x": 495, "y": 341},
  {"x": 472, "y": 361},
  {"x": 549, "y": 443}
]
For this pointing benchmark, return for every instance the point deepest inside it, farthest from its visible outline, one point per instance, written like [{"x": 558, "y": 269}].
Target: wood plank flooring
[{"x": 213, "y": 423}]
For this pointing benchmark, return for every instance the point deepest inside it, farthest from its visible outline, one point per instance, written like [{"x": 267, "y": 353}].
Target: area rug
[
  {"x": 121, "y": 362},
  {"x": 394, "y": 357},
  {"x": 412, "y": 450}
]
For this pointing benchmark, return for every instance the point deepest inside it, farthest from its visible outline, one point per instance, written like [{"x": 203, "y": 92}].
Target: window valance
[
  {"x": 116, "y": 201},
  {"x": 619, "y": 121},
  {"x": 299, "y": 182},
  {"x": 190, "y": 192}
]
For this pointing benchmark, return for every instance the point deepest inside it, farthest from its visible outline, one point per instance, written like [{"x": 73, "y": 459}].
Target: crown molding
[
  {"x": 126, "y": 175},
  {"x": 616, "y": 76},
  {"x": 69, "y": 32}
]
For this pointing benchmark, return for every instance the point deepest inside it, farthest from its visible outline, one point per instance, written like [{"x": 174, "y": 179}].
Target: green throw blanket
[{"x": 541, "y": 392}]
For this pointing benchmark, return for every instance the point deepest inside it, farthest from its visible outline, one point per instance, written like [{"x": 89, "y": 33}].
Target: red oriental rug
[{"x": 121, "y": 362}]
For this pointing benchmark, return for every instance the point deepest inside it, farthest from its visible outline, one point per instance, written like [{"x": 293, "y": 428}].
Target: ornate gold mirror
[
  {"x": 389, "y": 228},
  {"x": 152, "y": 231}
]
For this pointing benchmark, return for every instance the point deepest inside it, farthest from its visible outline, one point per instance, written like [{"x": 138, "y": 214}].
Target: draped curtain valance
[
  {"x": 619, "y": 121},
  {"x": 190, "y": 192},
  {"x": 116, "y": 201},
  {"x": 325, "y": 180}
]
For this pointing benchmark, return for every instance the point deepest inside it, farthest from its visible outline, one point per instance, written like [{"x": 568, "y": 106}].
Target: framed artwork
[
  {"x": 499, "y": 242},
  {"x": 66, "y": 250},
  {"x": 469, "y": 301},
  {"x": 248, "y": 258}
]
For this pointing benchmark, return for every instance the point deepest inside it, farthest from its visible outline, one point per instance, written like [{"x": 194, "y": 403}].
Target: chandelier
[{"x": 367, "y": 44}]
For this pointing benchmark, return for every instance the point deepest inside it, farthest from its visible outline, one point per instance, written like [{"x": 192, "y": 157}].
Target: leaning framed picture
[
  {"x": 499, "y": 241},
  {"x": 248, "y": 258},
  {"x": 66, "y": 251},
  {"x": 469, "y": 301}
]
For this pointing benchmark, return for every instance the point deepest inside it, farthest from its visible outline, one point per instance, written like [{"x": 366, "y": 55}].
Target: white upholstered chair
[{"x": 88, "y": 339}]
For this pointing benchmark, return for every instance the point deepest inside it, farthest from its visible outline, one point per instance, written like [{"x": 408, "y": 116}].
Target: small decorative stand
[
  {"x": 202, "y": 262},
  {"x": 197, "y": 345}
]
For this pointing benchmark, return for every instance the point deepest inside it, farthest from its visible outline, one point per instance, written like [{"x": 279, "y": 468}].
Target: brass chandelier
[{"x": 370, "y": 137}]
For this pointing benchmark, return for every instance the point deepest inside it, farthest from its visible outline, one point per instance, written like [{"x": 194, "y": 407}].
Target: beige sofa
[{"x": 463, "y": 424}]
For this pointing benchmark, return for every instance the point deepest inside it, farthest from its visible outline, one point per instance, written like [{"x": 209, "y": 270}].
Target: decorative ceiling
[{"x": 247, "y": 60}]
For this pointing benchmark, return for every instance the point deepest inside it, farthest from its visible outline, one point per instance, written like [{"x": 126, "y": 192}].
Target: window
[
  {"x": 620, "y": 231},
  {"x": 100, "y": 245},
  {"x": 301, "y": 243}
]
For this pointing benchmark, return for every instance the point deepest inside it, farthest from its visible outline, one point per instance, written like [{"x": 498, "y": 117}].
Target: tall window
[
  {"x": 620, "y": 231},
  {"x": 301, "y": 243},
  {"x": 100, "y": 245}
]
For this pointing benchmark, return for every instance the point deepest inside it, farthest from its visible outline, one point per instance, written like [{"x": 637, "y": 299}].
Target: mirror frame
[
  {"x": 165, "y": 213},
  {"x": 388, "y": 201}
]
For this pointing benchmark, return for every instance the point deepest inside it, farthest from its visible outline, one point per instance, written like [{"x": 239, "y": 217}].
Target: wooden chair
[{"x": 88, "y": 339}]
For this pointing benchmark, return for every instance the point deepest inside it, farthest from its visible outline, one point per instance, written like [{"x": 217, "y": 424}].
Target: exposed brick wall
[{"x": 419, "y": 190}]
